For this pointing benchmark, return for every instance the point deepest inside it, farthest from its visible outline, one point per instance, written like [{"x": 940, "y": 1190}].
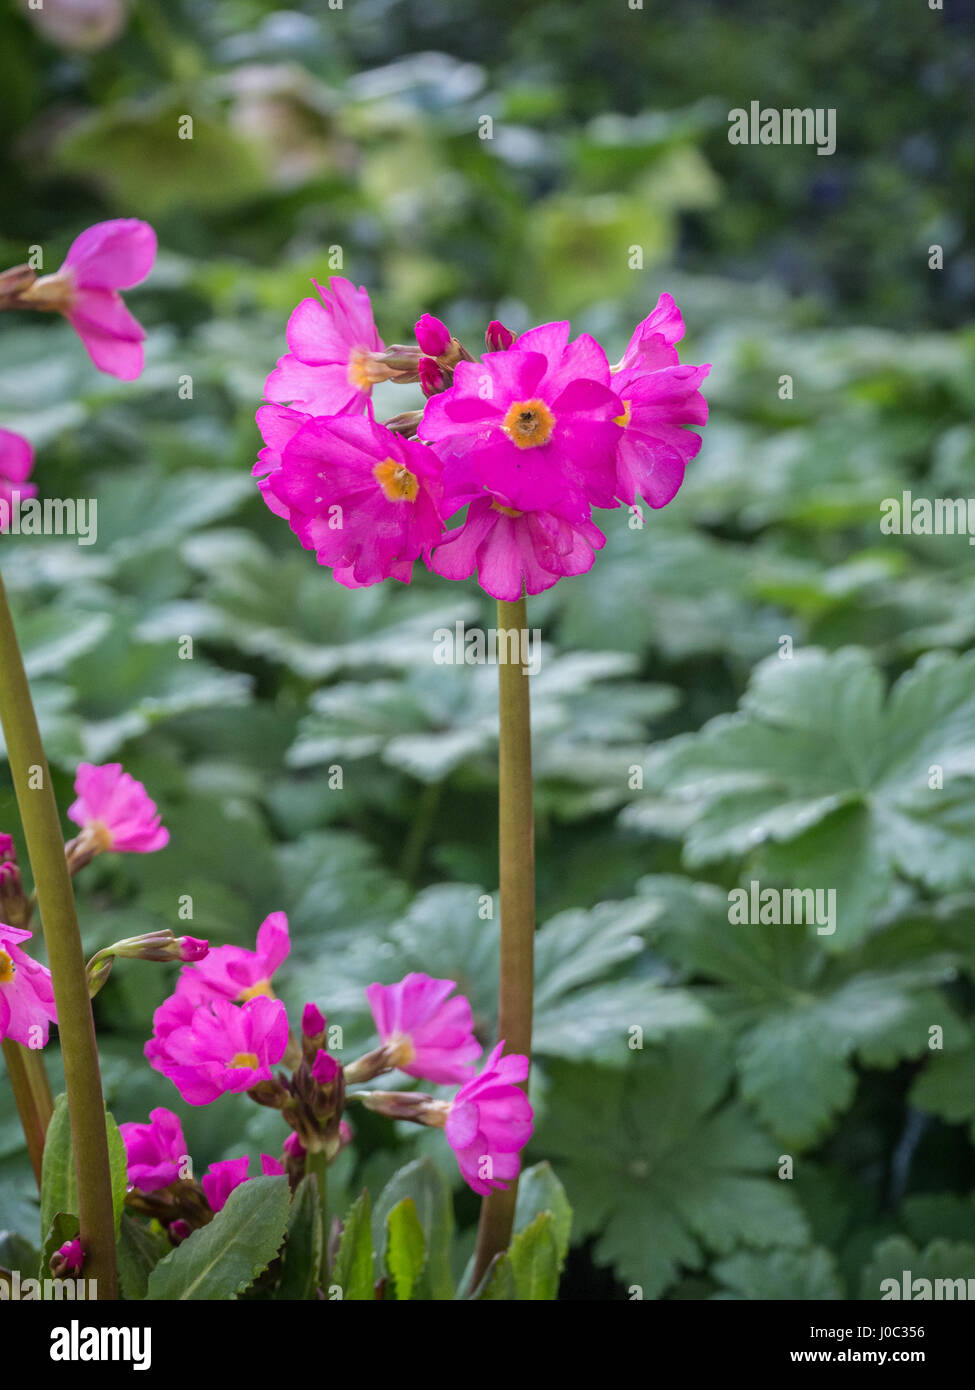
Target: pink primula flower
[
  {"x": 220, "y": 1047},
  {"x": 490, "y": 1121},
  {"x": 16, "y": 463},
  {"x": 220, "y": 1179},
  {"x": 532, "y": 426},
  {"x": 432, "y": 335},
  {"x": 425, "y": 1033},
  {"x": 364, "y": 499},
  {"x": 327, "y": 371},
  {"x": 156, "y": 1152},
  {"x": 233, "y": 972},
  {"x": 27, "y": 1007},
  {"x": 115, "y": 811}
]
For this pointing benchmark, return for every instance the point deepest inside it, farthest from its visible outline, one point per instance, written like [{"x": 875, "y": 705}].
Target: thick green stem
[
  {"x": 34, "y": 1116},
  {"x": 59, "y": 918},
  {"x": 516, "y": 861},
  {"x": 317, "y": 1162}
]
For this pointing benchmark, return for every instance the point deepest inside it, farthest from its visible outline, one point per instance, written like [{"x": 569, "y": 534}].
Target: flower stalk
[
  {"x": 516, "y": 861},
  {"x": 45, "y": 847}
]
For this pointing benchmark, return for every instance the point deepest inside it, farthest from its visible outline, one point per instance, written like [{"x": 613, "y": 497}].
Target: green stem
[
  {"x": 59, "y": 918},
  {"x": 516, "y": 863},
  {"x": 317, "y": 1162},
  {"x": 32, "y": 1120}
]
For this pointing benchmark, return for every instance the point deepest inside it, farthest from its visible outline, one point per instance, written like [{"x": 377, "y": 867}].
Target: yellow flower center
[
  {"x": 101, "y": 835},
  {"x": 7, "y": 968},
  {"x": 400, "y": 1050},
  {"x": 245, "y": 1059},
  {"x": 252, "y": 991},
  {"x": 529, "y": 424},
  {"x": 507, "y": 511},
  {"x": 360, "y": 374},
  {"x": 624, "y": 419},
  {"x": 396, "y": 480}
]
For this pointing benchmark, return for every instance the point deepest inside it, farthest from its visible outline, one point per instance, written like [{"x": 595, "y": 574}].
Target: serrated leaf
[
  {"x": 59, "y": 1190},
  {"x": 405, "y": 1249},
  {"x": 539, "y": 1190},
  {"x": 220, "y": 1260},
  {"x": 421, "y": 1181},
  {"x": 139, "y": 1250},
  {"x": 788, "y": 1275},
  {"x": 301, "y": 1258},
  {"x": 353, "y": 1271}
]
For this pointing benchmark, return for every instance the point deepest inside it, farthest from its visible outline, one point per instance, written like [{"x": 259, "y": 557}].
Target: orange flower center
[
  {"x": 245, "y": 1059},
  {"x": 507, "y": 511},
  {"x": 529, "y": 424},
  {"x": 252, "y": 991},
  {"x": 624, "y": 419},
  {"x": 7, "y": 968},
  {"x": 360, "y": 374},
  {"x": 396, "y": 480}
]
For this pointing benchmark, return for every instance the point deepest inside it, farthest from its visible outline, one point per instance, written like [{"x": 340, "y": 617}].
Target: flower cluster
[
  {"x": 529, "y": 440},
  {"x": 222, "y": 1030}
]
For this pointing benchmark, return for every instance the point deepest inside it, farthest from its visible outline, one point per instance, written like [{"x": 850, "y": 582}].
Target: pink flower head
[
  {"x": 497, "y": 337},
  {"x": 432, "y": 335},
  {"x": 233, "y": 972},
  {"x": 364, "y": 499},
  {"x": 222, "y": 1047},
  {"x": 156, "y": 1152},
  {"x": 27, "y": 1007},
  {"x": 659, "y": 396},
  {"x": 327, "y": 371},
  {"x": 220, "y": 1179},
  {"x": 16, "y": 462},
  {"x": 69, "y": 1258},
  {"x": 278, "y": 426},
  {"x": 425, "y": 1033},
  {"x": 108, "y": 257},
  {"x": 115, "y": 811},
  {"x": 490, "y": 1122},
  {"x": 533, "y": 427},
  {"x": 515, "y": 552}
]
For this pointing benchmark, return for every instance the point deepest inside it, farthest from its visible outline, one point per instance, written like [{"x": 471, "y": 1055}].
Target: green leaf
[
  {"x": 301, "y": 1258},
  {"x": 63, "y": 1228},
  {"x": 218, "y": 1261},
  {"x": 686, "y": 1171},
  {"x": 405, "y": 1249},
  {"x": 943, "y": 1260},
  {"x": 58, "y": 1186},
  {"x": 421, "y": 1181},
  {"x": 539, "y": 1190},
  {"x": 139, "y": 1250},
  {"x": 353, "y": 1269},
  {"x": 787, "y": 1275}
]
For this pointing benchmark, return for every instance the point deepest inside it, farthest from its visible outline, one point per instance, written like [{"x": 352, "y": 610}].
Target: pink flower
[
  {"x": 156, "y": 1152},
  {"x": 220, "y": 1047},
  {"x": 68, "y": 1259},
  {"x": 108, "y": 257},
  {"x": 432, "y": 335},
  {"x": 516, "y": 551},
  {"x": 16, "y": 463},
  {"x": 232, "y": 972},
  {"x": 115, "y": 811},
  {"x": 659, "y": 396},
  {"x": 364, "y": 499},
  {"x": 27, "y": 1007},
  {"x": 490, "y": 1122},
  {"x": 278, "y": 426},
  {"x": 220, "y": 1179},
  {"x": 532, "y": 426},
  {"x": 327, "y": 371},
  {"x": 426, "y": 1034}
]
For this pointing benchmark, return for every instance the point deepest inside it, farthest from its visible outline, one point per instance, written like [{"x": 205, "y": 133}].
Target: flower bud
[
  {"x": 432, "y": 335},
  {"x": 432, "y": 378},
  {"x": 68, "y": 1260},
  {"x": 497, "y": 337},
  {"x": 14, "y": 907}
]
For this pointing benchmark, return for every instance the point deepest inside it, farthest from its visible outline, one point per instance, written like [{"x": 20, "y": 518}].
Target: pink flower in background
[
  {"x": 16, "y": 463},
  {"x": 156, "y": 1152},
  {"x": 104, "y": 259},
  {"x": 532, "y": 426},
  {"x": 27, "y": 1007},
  {"x": 220, "y": 1179},
  {"x": 490, "y": 1122},
  {"x": 432, "y": 335},
  {"x": 514, "y": 551},
  {"x": 327, "y": 370},
  {"x": 425, "y": 1033},
  {"x": 233, "y": 972},
  {"x": 220, "y": 1047},
  {"x": 115, "y": 811},
  {"x": 659, "y": 396},
  {"x": 364, "y": 499},
  {"x": 69, "y": 1258}
]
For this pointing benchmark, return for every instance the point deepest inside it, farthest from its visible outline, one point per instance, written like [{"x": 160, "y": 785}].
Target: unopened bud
[
  {"x": 15, "y": 909},
  {"x": 68, "y": 1260},
  {"x": 432, "y": 335},
  {"x": 497, "y": 337},
  {"x": 433, "y": 378}
]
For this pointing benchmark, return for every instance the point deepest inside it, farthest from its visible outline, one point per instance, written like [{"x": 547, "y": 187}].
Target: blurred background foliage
[{"x": 358, "y": 128}]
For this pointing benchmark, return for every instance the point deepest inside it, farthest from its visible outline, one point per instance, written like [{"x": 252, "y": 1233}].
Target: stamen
[
  {"x": 529, "y": 424},
  {"x": 396, "y": 481},
  {"x": 245, "y": 1059},
  {"x": 7, "y": 968}
]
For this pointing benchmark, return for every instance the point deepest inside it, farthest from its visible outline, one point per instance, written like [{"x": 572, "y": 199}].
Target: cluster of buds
[
  {"x": 311, "y": 1100},
  {"x": 16, "y": 908}
]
